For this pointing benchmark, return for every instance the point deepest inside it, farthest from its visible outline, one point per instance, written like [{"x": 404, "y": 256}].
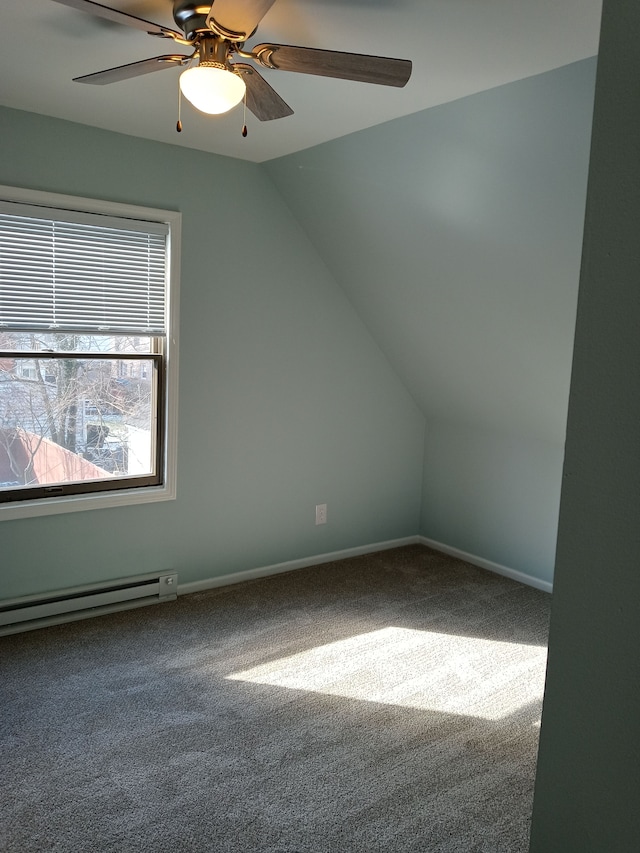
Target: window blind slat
[{"x": 69, "y": 273}]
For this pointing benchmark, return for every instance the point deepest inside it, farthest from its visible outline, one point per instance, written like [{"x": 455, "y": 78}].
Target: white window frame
[{"x": 123, "y": 497}]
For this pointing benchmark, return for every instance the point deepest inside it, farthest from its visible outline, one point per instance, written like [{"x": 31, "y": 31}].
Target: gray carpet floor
[{"x": 389, "y": 702}]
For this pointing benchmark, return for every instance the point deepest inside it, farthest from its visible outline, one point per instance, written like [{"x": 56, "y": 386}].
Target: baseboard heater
[{"x": 81, "y": 602}]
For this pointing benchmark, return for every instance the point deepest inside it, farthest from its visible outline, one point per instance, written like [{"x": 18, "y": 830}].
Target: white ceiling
[{"x": 458, "y": 48}]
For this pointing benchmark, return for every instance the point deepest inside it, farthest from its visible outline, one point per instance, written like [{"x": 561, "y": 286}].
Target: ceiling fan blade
[
  {"x": 118, "y": 17},
  {"x": 237, "y": 19},
  {"x": 133, "y": 69},
  {"x": 263, "y": 101},
  {"x": 333, "y": 63}
]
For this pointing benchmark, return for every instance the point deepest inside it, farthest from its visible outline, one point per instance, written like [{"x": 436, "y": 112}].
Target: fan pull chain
[
  {"x": 179, "y": 122},
  {"x": 244, "y": 118}
]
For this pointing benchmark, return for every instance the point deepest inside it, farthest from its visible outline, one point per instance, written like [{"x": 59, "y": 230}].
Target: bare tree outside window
[{"x": 100, "y": 410}]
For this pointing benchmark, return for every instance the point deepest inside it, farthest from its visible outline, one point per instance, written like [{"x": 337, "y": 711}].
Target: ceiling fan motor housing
[
  {"x": 196, "y": 19},
  {"x": 191, "y": 17}
]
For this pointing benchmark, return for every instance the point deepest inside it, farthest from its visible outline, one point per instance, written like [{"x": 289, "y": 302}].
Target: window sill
[{"x": 79, "y": 503}]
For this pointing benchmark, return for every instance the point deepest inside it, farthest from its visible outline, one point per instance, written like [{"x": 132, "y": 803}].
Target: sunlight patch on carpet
[{"x": 444, "y": 673}]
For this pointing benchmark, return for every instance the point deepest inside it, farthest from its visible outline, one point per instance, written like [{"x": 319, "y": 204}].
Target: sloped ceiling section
[{"x": 456, "y": 233}]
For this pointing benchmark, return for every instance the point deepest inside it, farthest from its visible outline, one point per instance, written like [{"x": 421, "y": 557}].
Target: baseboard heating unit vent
[{"x": 81, "y": 602}]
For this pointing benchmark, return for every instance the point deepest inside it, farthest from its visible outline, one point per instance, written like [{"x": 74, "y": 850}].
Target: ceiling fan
[{"x": 217, "y": 32}]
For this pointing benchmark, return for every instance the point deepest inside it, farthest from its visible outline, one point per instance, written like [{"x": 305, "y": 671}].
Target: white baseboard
[
  {"x": 522, "y": 577},
  {"x": 305, "y": 562},
  {"x": 291, "y": 565}
]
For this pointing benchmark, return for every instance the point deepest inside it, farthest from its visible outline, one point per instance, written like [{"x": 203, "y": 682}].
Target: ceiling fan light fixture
[{"x": 212, "y": 88}]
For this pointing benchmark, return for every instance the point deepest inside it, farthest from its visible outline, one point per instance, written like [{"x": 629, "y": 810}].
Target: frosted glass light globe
[{"x": 212, "y": 90}]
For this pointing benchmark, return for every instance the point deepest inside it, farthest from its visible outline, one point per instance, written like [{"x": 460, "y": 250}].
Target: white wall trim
[
  {"x": 514, "y": 574},
  {"x": 319, "y": 559},
  {"x": 291, "y": 565}
]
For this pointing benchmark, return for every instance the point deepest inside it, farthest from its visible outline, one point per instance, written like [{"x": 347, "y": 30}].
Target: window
[{"x": 88, "y": 374}]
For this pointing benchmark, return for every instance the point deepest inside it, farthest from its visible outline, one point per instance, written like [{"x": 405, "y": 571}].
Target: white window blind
[{"x": 73, "y": 272}]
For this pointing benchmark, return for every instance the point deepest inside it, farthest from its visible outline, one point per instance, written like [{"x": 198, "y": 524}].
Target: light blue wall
[
  {"x": 456, "y": 233},
  {"x": 286, "y": 401},
  {"x": 493, "y": 494},
  {"x": 422, "y": 271}
]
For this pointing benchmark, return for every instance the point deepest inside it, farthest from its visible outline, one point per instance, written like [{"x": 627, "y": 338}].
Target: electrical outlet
[{"x": 321, "y": 514}]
